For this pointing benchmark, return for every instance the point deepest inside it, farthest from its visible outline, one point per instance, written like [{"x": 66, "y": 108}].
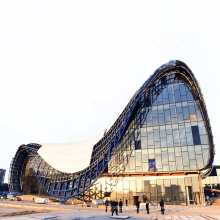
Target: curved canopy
[{"x": 71, "y": 157}]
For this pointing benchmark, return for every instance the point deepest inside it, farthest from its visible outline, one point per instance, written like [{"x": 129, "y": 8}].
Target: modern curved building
[{"x": 160, "y": 146}]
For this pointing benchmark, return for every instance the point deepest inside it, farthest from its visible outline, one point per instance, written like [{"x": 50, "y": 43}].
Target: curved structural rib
[{"x": 66, "y": 183}]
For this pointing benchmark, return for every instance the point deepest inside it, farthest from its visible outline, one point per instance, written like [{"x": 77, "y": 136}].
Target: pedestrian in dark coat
[
  {"x": 147, "y": 206},
  {"x": 162, "y": 206},
  {"x": 120, "y": 206},
  {"x": 138, "y": 206},
  {"x": 126, "y": 202},
  {"x": 116, "y": 207},
  {"x": 106, "y": 205},
  {"x": 112, "y": 206}
]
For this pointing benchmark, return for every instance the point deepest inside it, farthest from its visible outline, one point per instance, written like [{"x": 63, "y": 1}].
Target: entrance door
[
  {"x": 135, "y": 200},
  {"x": 189, "y": 195}
]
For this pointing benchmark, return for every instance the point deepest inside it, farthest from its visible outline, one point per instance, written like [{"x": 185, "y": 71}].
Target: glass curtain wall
[{"x": 173, "y": 136}]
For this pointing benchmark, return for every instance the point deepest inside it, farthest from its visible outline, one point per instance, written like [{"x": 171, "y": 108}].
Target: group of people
[{"x": 115, "y": 205}]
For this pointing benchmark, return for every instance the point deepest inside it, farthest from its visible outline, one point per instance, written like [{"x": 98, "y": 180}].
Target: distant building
[
  {"x": 160, "y": 146},
  {"x": 2, "y": 175}
]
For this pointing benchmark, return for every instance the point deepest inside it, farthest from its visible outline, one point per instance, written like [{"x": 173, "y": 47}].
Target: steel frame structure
[{"x": 109, "y": 148}]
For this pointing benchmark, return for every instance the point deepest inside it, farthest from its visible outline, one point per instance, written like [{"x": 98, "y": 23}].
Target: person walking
[
  {"x": 120, "y": 206},
  {"x": 126, "y": 202},
  {"x": 147, "y": 206},
  {"x": 116, "y": 207},
  {"x": 106, "y": 205},
  {"x": 111, "y": 204},
  {"x": 113, "y": 207},
  {"x": 162, "y": 206},
  {"x": 138, "y": 206}
]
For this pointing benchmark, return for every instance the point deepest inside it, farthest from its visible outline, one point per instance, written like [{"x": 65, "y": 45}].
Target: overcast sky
[{"x": 67, "y": 68}]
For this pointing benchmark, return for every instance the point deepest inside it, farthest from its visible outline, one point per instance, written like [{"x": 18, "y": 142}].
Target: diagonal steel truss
[{"x": 110, "y": 150}]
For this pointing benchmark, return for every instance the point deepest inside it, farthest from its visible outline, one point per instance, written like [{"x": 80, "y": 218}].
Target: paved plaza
[{"x": 70, "y": 212}]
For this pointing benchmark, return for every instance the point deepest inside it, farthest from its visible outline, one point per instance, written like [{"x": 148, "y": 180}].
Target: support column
[{"x": 201, "y": 190}]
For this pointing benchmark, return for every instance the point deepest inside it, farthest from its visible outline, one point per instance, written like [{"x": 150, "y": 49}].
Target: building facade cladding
[{"x": 164, "y": 128}]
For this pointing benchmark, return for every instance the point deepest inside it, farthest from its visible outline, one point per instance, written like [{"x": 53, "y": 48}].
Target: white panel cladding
[{"x": 71, "y": 157}]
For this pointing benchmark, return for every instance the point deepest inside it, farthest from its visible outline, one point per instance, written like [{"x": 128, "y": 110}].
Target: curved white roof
[{"x": 71, "y": 157}]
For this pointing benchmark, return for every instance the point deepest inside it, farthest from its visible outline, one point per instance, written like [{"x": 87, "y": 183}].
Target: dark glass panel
[
  {"x": 138, "y": 145},
  {"x": 196, "y": 137}
]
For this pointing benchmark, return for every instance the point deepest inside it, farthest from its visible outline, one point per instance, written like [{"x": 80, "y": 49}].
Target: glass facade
[{"x": 173, "y": 136}]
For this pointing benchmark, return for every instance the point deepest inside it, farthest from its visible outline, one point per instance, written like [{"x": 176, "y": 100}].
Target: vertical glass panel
[
  {"x": 150, "y": 139},
  {"x": 143, "y": 142},
  {"x": 204, "y": 139},
  {"x": 189, "y": 96},
  {"x": 191, "y": 152},
  {"x": 180, "y": 117},
  {"x": 158, "y": 161},
  {"x": 173, "y": 111},
  {"x": 169, "y": 140},
  {"x": 144, "y": 156},
  {"x": 162, "y": 132},
  {"x": 199, "y": 116},
  {"x": 171, "y": 157},
  {"x": 165, "y": 93},
  {"x": 179, "y": 108},
  {"x": 182, "y": 90},
  {"x": 185, "y": 113},
  {"x": 167, "y": 116},
  {"x": 156, "y": 135},
  {"x": 168, "y": 129},
  {"x": 160, "y": 109},
  {"x": 185, "y": 159},
  {"x": 177, "y": 96},
  {"x": 176, "y": 136},
  {"x": 161, "y": 119},
  {"x": 191, "y": 108},
  {"x": 182, "y": 132},
  {"x": 199, "y": 160},
  {"x": 202, "y": 129},
  {"x": 189, "y": 138},
  {"x": 178, "y": 152},
  {"x": 154, "y": 111},
  {"x": 164, "y": 158},
  {"x": 138, "y": 159},
  {"x": 179, "y": 163},
  {"x": 163, "y": 142}
]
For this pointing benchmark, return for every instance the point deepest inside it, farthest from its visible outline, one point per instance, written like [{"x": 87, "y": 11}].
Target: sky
[{"x": 68, "y": 68}]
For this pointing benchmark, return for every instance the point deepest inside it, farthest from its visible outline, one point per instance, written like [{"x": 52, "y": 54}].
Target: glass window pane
[
  {"x": 185, "y": 113},
  {"x": 180, "y": 117},
  {"x": 176, "y": 136},
  {"x": 156, "y": 135},
  {"x": 204, "y": 139},
  {"x": 169, "y": 140},
  {"x": 202, "y": 129},
  {"x": 185, "y": 159},
  {"x": 191, "y": 152},
  {"x": 189, "y": 138},
  {"x": 164, "y": 158}
]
